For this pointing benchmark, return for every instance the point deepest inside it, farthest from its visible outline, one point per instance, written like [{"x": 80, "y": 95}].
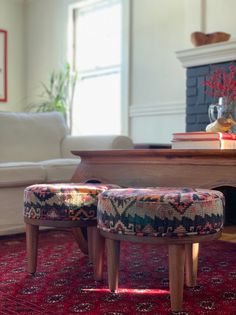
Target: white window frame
[{"x": 125, "y": 56}]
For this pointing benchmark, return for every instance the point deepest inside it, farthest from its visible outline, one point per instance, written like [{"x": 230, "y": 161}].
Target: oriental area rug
[{"x": 64, "y": 284}]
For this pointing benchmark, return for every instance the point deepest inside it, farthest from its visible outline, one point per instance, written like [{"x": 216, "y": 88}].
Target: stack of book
[{"x": 203, "y": 140}]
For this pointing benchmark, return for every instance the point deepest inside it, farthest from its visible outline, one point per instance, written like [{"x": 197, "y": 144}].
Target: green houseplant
[{"x": 58, "y": 95}]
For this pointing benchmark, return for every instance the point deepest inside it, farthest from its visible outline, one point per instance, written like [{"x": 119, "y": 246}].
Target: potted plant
[{"x": 58, "y": 95}]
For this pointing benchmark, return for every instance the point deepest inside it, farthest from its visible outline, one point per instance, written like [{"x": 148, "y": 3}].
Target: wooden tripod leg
[
  {"x": 32, "y": 246},
  {"x": 176, "y": 276},
  {"x": 191, "y": 264},
  {"x": 81, "y": 241}
]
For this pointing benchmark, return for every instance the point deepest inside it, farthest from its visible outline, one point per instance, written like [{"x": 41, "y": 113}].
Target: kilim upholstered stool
[
  {"x": 60, "y": 205},
  {"x": 178, "y": 217}
]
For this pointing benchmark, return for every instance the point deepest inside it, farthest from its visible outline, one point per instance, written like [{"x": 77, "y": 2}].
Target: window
[{"x": 98, "y": 57}]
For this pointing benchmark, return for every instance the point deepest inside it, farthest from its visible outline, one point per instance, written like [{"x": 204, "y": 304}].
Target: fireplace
[
  {"x": 199, "y": 63},
  {"x": 230, "y": 206},
  {"x": 197, "y": 100}
]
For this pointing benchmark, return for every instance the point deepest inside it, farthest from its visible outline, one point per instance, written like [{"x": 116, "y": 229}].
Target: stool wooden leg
[
  {"x": 99, "y": 248},
  {"x": 90, "y": 243},
  {"x": 32, "y": 246},
  {"x": 79, "y": 238},
  {"x": 176, "y": 276},
  {"x": 191, "y": 264},
  {"x": 113, "y": 262}
]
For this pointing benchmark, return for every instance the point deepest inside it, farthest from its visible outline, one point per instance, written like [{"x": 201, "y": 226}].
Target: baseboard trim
[{"x": 172, "y": 108}]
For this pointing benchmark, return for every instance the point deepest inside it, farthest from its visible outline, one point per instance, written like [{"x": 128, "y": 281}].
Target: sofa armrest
[{"x": 72, "y": 143}]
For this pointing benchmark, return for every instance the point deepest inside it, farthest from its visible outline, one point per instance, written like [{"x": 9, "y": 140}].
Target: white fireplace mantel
[{"x": 208, "y": 54}]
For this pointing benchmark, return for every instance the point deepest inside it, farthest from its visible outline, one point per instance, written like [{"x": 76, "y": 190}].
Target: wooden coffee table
[
  {"x": 163, "y": 167},
  {"x": 157, "y": 167}
]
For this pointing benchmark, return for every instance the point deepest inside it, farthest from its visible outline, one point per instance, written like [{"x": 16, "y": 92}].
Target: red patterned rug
[{"x": 64, "y": 281}]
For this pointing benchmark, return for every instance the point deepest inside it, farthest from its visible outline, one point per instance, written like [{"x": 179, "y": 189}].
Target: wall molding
[
  {"x": 18, "y": 1},
  {"x": 208, "y": 54},
  {"x": 161, "y": 109}
]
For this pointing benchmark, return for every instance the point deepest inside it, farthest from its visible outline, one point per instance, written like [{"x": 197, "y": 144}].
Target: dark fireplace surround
[
  {"x": 200, "y": 62},
  {"x": 197, "y": 99}
]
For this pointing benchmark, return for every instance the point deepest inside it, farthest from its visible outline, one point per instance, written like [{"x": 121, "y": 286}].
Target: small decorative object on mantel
[
  {"x": 222, "y": 85},
  {"x": 200, "y": 38},
  {"x": 220, "y": 125}
]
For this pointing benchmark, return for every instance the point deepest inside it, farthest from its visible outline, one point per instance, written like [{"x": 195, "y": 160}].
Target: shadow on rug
[{"x": 64, "y": 281}]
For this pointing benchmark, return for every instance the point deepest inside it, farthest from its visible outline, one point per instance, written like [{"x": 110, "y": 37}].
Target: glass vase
[{"x": 225, "y": 112}]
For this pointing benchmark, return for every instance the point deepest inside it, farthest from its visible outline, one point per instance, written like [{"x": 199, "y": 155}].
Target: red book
[{"x": 202, "y": 136}]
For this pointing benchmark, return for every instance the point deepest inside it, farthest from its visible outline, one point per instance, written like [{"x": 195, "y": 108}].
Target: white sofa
[{"x": 36, "y": 148}]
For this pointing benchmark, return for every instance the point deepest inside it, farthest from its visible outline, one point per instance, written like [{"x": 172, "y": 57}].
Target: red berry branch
[{"x": 222, "y": 83}]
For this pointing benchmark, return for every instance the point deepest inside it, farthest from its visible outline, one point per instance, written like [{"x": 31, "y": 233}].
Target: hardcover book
[
  {"x": 204, "y": 144},
  {"x": 198, "y": 135}
]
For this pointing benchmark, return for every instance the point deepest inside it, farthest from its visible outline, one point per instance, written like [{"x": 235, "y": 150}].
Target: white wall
[
  {"x": 219, "y": 16},
  {"x": 159, "y": 28},
  {"x": 12, "y": 17},
  {"x": 46, "y": 47},
  {"x": 157, "y": 79}
]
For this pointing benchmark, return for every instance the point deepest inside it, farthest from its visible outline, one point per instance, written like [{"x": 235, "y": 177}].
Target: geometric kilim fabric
[
  {"x": 160, "y": 211},
  {"x": 65, "y": 202}
]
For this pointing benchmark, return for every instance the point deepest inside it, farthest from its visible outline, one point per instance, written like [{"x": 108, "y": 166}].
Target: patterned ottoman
[
  {"x": 61, "y": 205},
  {"x": 178, "y": 217}
]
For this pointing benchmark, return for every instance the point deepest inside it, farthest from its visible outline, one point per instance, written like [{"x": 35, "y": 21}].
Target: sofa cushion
[
  {"x": 60, "y": 170},
  {"x": 31, "y": 136},
  {"x": 21, "y": 173}
]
